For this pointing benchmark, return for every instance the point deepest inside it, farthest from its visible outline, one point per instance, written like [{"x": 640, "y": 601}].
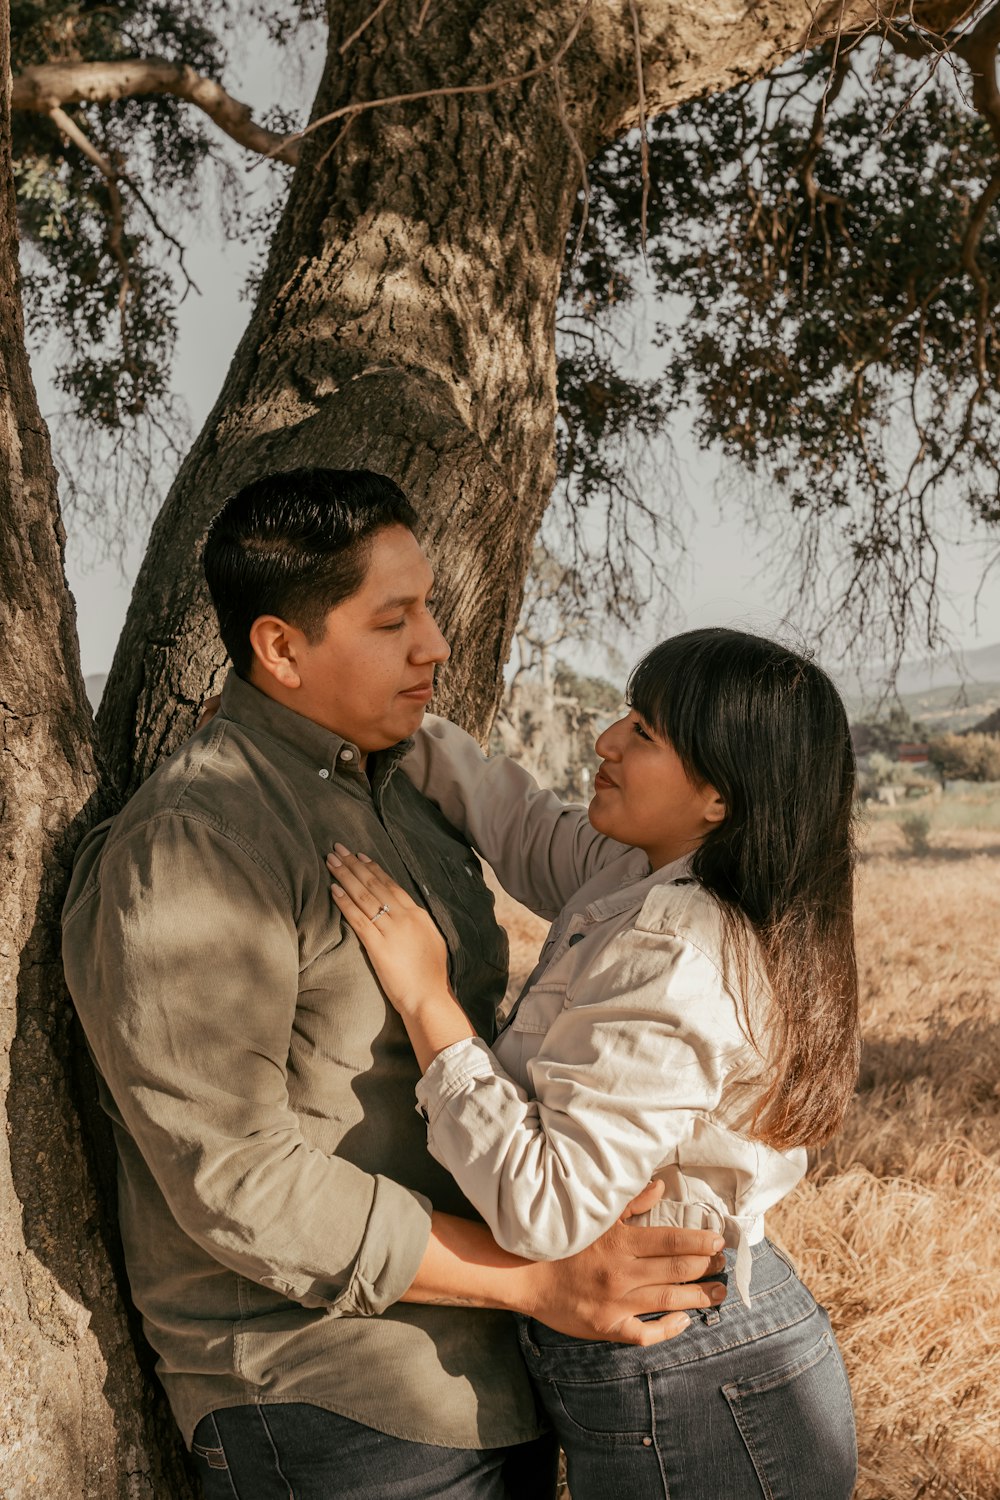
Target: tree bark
[
  {"x": 77, "y": 1418},
  {"x": 406, "y": 320}
]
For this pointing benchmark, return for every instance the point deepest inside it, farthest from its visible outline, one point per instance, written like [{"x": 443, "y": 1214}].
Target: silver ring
[{"x": 380, "y": 913}]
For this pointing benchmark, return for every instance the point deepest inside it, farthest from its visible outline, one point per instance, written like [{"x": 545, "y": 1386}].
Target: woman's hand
[{"x": 408, "y": 953}]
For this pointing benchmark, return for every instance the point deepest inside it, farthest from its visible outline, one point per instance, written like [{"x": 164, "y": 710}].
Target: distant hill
[
  {"x": 952, "y": 692},
  {"x": 932, "y": 691},
  {"x": 954, "y": 707}
]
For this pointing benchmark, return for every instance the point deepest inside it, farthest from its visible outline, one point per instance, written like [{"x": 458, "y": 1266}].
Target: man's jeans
[
  {"x": 293, "y": 1451},
  {"x": 747, "y": 1402}
]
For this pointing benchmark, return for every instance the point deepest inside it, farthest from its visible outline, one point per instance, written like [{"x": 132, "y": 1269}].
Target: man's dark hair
[{"x": 295, "y": 545}]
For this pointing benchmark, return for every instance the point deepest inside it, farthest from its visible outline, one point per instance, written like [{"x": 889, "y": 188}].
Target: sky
[{"x": 729, "y": 575}]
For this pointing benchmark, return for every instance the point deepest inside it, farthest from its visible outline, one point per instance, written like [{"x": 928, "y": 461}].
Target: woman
[{"x": 692, "y": 1020}]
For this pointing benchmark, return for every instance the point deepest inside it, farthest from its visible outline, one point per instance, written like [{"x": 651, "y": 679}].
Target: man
[{"x": 329, "y": 1319}]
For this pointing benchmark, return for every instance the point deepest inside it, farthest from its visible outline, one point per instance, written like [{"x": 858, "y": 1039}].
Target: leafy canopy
[
  {"x": 823, "y": 249},
  {"x": 105, "y": 266}
]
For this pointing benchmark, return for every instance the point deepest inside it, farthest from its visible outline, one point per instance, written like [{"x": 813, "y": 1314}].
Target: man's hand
[
  {"x": 597, "y": 1293},
  {"x": 644, "y": 1201}
]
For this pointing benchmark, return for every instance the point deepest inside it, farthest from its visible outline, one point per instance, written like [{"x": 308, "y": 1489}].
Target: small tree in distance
[
  {"x": 966, "y": 757},
  {"x": 883, "y": 736}
]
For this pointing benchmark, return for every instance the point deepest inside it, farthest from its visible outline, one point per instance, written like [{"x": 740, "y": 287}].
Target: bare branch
[
  {"x": 347, "y": 126},
  {"x": 50, "y": 86},
  {"x": 643, "y": 132},
  {"x": 360, "y": 30},
  {"x": 190, "y": 285},
  {"x": 581, "y": 159},
  {"x": 72, "y": 131}
]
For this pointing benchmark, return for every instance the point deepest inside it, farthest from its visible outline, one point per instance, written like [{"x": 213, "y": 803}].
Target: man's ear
[{"x": 276, "y": 646}]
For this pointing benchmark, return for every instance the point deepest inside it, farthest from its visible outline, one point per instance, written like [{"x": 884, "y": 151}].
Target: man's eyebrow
[{"x": 400, "y": 601}]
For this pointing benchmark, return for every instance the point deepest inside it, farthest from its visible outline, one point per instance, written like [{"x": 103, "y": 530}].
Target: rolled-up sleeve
[
  {"x": 185, "y": 978},
  {"x": 641, "y": 1049},
  {"x": 542, "y": 849}
]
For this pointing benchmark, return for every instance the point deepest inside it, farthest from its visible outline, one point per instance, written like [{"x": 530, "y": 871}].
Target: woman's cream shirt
[{"x": 624, "y": 1057}]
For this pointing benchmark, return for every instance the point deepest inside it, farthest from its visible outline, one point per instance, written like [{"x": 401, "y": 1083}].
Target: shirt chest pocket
[
  {"x": 545, "y": 998},
  {"x": 538, "y": 1010}
]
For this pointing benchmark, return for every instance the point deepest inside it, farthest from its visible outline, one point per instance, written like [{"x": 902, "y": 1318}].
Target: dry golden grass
[{"x": 894, "y": 1228}]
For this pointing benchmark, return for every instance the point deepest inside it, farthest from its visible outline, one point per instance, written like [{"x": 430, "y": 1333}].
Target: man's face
[{"x": 371, "y": 675}]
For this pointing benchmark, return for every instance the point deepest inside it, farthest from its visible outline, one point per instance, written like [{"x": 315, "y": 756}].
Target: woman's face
[{"x": 644, "y": 796}]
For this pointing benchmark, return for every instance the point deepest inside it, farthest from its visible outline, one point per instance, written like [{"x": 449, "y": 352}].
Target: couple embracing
[{"x": 380, "y": 1248}]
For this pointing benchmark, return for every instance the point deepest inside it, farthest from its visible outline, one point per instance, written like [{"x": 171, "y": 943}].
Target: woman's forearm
[{"x": 434, "y": 1024}]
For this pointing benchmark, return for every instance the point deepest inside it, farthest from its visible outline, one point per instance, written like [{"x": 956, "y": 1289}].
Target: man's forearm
[
  {"x": 463, "y": 1266},
  {"x": 597, "y": 1293}
]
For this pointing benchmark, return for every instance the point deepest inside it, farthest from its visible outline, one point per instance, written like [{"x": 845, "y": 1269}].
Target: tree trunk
[
  {"x": 76, "y": 1416},
  {"x": 406, "y": 320}
]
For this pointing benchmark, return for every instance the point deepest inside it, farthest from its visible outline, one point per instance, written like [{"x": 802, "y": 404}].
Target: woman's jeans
[
  {"x": 295, "y": 1451},
  {"x": 747, "y": 1402}
]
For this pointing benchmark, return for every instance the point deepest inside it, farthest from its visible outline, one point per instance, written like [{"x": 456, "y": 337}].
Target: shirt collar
[
  {"x": 322, "y": 748},
  {"x": 637, "y": 885}
]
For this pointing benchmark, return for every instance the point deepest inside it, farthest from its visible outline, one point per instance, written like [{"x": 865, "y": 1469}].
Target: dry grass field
[{"x": 895, "y": 1227}]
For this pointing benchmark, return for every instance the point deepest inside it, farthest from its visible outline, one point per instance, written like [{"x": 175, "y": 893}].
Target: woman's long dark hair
[{"x": 766, "y": 728}]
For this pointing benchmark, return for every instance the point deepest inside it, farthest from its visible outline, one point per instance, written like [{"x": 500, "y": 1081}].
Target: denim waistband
[{"x": 778, "y": 1300}]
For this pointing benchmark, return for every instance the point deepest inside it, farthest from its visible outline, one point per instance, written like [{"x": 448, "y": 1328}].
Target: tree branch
[
  {"x": 360, "y": 30},
  {"x": 970, "y": 261},
  {"x": 72, "y": 131},
  {"x": 581, "y": 160},
  {"x": 50, "y": 86},
  {"x": 643, "y": 132},
  {"x": 978, "y": 50}
]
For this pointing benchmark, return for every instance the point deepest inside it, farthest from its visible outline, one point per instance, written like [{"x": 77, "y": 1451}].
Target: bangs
[{"x": 671, "y": 688}]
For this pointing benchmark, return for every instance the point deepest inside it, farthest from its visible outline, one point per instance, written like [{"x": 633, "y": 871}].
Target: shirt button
[
  {"x": 647, "y": 1442},
  {"x": 347, "y": 754},
  {"x": 324, "y": 773}
]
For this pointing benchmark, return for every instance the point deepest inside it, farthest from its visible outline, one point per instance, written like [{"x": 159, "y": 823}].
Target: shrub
[
  {"x": 915, "y": 828},
  {"x": 966, "y": 757}
]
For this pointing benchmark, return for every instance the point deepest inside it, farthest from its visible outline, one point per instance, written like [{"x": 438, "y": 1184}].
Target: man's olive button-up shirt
[{"x": 275, "y": 1186}]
